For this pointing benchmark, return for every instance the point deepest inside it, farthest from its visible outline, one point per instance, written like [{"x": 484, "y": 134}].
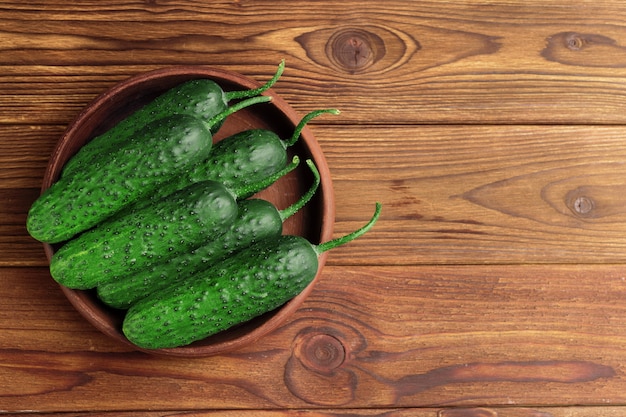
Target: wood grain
[
  {"x": 404, "y": 412},
  {"x": 492, "y": 286},
  {"x": 397, "y": 62},
  {"x": 456, "y": 194},
  {"x": 422, "y": 336},
  {"x": 484, "y": 194}
]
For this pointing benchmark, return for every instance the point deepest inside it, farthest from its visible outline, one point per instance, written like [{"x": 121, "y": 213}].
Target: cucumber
[
  {"x": 254, "y": 281},
  {"x": 138, "y": 238},
  {"x": 201, "y": 98},
  {"x": 142, "y": 238},
  {"x": 240, "y": 161},
  {"x": 257, "y": 220},
  {"x": 246, "y": 157},
  {"x": 146, "y": 161}
]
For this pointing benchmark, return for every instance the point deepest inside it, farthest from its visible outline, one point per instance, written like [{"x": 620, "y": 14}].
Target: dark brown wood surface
[{"x": 494, "y": 135}]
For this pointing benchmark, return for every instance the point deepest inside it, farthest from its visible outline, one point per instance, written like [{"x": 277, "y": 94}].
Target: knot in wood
[
  {"x": 354, "y": 50},
  {"x": 575, "y": 41},
  {"x": 583, "y": 205},
  {"x": 321, "y": 352}
]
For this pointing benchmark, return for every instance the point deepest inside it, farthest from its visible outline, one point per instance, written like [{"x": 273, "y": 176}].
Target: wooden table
[{"x": 494, "y": 134}]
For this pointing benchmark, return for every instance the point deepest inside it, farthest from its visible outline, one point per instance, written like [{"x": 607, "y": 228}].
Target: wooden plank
[
  {"x": 450, "y": 194},
  {"x": 607, "y": 411},
  {"x": 367, "y": 337},
  {"x": 254, "y": 413},
  {"x": 24, "y": 153},
  {"x": 17, "y": 248},
  {"x": 397, "y": 62},
  {"x": 476, "y": 195},
  {"x": 535, "y": 412}
]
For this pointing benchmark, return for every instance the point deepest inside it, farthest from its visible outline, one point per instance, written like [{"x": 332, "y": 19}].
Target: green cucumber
[
  {"x": 162, "y": 150},
  {"x": 248, "y": 156},
  {"x": 254, "y": 281},
  {"x": 144, "y": 237},
  {"x": 201, "y": 98},
  {"x": 257, "y": 220},
  {"x": 240, "y": 161},
  {"x": 136, "y": 239}
]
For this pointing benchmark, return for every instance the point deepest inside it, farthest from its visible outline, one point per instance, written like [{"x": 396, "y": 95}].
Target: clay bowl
[{"x": 315, "y": 221}]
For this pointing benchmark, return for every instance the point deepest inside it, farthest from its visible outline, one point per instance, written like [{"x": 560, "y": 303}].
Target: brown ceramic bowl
[{"x": 315, "y": 221}]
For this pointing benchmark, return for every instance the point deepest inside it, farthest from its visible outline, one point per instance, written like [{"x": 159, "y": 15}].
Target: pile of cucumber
[{"x": 163, "y": 225}]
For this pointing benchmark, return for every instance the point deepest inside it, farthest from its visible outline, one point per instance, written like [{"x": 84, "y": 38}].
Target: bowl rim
[{"x": 80, "y": 299}]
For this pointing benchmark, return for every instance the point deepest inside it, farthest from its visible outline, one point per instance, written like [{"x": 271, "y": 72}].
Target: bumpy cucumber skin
[
  {"x": 256, "y": 220},
  {"x": 244, "y": 158},
  {"x": 248, "y": 284},
  {"x": 202, "y": 98},
  {"x": 239, "y": 162},
  {"x": 138, "y": 239},
  {"x": 144, "y": 164}
]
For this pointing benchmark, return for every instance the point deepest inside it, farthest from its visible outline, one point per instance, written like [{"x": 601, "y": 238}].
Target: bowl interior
[{"x": 314, "y": 221}]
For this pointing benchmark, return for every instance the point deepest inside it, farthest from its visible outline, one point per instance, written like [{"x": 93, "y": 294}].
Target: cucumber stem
[
  {"x": 252, "y": 188},
  {"x": 306, "y": 119},
  {"x": 295, "y": 207},
  {"x": 331, "y": 244},
  {"x": 235, "y": 95},
  {"x": 218, "y": 118}
]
